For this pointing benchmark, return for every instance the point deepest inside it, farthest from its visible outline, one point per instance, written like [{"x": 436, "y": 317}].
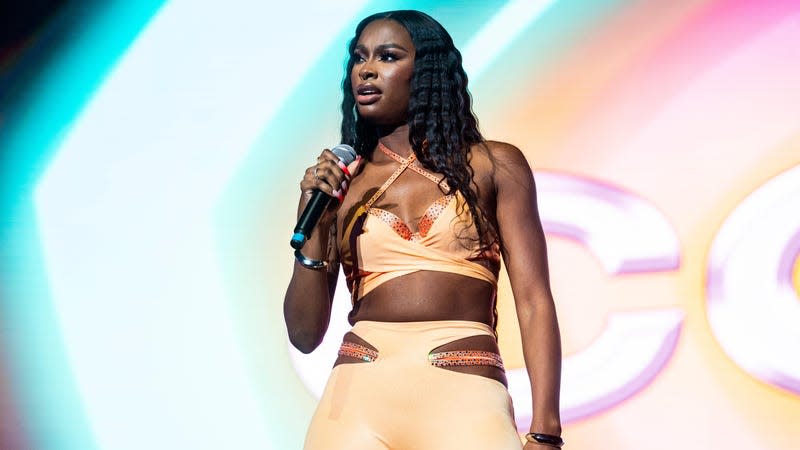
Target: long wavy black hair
[{"x": 442, "y": 125}]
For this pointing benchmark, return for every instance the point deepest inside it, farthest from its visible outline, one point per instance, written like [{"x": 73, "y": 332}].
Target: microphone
[{"x": 318, "y": 203}]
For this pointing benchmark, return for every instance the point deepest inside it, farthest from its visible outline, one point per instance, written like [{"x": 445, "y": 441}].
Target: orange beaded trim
[
  {"x": 466, "y": 358},
  {"x": 424, "y": 225},
  {"x": 358, "y": 351}
]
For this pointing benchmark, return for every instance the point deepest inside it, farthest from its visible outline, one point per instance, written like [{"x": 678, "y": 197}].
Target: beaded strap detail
[
  {"x": 358, "y": 351},
  {"x": 413, "y": 166},
  {"x": 466, "y": 358},
  {"x": 389, "y": 181}
]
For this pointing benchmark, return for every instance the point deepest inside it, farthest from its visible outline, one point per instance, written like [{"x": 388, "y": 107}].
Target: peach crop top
[{"x": 377, "y": 246}]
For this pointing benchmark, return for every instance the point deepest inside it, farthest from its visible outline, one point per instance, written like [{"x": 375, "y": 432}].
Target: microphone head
[{"x": 345, "y": 153}]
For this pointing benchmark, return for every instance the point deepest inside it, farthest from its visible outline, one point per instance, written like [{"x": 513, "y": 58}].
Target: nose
[{"x": 366, "y": 71}]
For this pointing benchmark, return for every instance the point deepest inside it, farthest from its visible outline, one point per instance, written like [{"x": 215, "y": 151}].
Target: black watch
[{"x": 547, "y": 439}]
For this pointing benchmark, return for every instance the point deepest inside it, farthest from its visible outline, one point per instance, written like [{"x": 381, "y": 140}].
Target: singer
[{"x": 418, "y": 223}]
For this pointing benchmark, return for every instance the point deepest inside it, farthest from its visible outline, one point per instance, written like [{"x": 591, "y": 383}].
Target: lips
[{"x": 367, "y": 94}]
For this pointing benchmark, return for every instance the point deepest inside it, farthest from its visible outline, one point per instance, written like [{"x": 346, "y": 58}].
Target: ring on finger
[{"x": 315, "y": 173}]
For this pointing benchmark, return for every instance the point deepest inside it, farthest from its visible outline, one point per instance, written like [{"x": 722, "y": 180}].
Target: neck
[{"x": 396, "y": 138}]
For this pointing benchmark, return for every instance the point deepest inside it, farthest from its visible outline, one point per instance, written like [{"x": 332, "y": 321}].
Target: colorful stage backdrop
[{"x": 150, "y": 177}]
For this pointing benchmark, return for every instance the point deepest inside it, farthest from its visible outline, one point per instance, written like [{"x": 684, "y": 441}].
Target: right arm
[{"x": 309, "y": 297}]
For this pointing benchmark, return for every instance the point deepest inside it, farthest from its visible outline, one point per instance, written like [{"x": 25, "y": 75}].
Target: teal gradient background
[{"x": 150, "y": 171}]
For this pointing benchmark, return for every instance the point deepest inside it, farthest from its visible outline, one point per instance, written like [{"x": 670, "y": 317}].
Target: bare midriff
[{"x": 428, "y": 295}]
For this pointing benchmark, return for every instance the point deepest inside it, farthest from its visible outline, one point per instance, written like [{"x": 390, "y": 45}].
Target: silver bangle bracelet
[{"x": 308, "y": 263}]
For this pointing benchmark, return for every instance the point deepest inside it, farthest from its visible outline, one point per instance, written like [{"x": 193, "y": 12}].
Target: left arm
[{"x": 525, "y": 256}]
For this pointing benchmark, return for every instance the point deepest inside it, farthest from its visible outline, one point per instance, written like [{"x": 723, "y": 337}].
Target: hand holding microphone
[{"x": 325, "y": 181}]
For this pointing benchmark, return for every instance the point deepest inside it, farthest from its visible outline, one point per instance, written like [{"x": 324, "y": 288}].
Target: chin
[{"x": 379, "y": 119}]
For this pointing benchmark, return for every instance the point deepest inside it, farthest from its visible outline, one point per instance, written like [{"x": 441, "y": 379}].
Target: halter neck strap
[
  {"x": 403, "y": 166},
  {"x": 415, "y": 167}
]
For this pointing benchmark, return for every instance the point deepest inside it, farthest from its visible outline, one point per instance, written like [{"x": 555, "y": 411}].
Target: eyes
[{"x": 386, "y": 56}]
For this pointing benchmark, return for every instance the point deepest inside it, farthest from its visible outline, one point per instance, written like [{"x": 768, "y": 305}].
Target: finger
[
  {"x": 327, "y": 155},
  {"x": 344, "y": 168},
  {"x": 338, "y": 194},
  {"x": 329, "y": 175},
  {"x": 333, "y": 180},
  {"x": 314, "y": 180},
  {"x": 355, "y": 166},
  {"x": 335, "y": 169}
]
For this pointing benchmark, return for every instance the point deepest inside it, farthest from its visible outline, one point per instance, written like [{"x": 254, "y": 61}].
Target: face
[{"x": 381, "y": 75}]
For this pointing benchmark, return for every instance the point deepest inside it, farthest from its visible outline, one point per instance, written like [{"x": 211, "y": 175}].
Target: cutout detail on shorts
[
  {"x": 358, "y": 351},
  {"x": 475, "y": 355},
  {"x": 466, "y": 358},
  {"x": 355, "y": 350}
]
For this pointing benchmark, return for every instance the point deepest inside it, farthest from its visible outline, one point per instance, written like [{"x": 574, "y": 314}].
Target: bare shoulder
[{"x": 500, "y": 160}]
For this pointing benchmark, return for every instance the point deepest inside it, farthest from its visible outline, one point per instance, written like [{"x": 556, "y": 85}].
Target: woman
[{"x": 430, "y": 207}]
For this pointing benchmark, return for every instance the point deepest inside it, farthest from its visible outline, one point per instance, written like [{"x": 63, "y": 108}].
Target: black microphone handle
[
  {"x": 319, "y": 202},
  {"x": 308, "y": 220}
]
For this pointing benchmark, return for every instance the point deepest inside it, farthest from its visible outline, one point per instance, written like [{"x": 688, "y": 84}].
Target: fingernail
[
  {"x": 344, "y": 168},
  {"x": 344, "y": 185}
]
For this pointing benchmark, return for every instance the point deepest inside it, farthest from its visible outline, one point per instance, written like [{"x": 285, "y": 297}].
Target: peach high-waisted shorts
[{"x": 399, "y": 399}]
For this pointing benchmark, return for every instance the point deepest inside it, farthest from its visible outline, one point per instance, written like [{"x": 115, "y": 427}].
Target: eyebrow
[{"x": 382, "y": 47}]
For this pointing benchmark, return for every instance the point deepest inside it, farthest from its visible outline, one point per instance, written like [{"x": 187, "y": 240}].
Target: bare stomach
[{"x": 428, "y": 295}]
